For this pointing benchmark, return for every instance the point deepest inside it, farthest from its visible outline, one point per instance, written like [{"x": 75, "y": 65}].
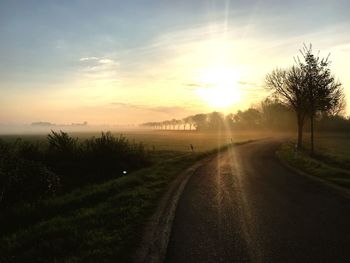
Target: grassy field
[
  {"x": 181, "y": 140},
  {"x": 165, "y": 140},
  {"x": 102, "y": 222},
  {"x": 331, "y": 160}
]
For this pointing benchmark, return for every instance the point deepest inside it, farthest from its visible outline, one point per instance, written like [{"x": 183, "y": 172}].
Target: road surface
[{"x": 244, "y": 206}]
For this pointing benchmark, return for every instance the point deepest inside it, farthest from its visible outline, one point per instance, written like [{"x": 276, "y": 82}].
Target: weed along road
[{"x": 244, "y": 206}]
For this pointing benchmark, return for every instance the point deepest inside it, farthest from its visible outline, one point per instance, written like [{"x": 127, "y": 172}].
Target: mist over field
[{"x": 23, "y": 129}]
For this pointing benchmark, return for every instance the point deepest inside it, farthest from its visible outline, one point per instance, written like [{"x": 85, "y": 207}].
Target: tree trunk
[
  {"x": 300, "y": 132},
  {"x": 312, "y": 133}
]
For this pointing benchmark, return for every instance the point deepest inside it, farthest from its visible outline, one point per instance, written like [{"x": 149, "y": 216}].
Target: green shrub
[
  {"x": 108, "y": 156},
  {"x": 28, "y": 181},
  {"x": 29, "y": 171},
  {"x": 61, "y": 143},
  {"x": 28, "y": 150}
]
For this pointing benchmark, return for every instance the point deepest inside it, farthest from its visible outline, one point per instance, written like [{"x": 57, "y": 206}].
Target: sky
[{"x": 127, "y": 62}]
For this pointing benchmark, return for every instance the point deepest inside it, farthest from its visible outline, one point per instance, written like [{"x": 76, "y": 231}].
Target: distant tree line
[
  {"x": 272, "y": 114},
  {"x": 202, "y": 121},
  {"x": 30, "y": 171}
]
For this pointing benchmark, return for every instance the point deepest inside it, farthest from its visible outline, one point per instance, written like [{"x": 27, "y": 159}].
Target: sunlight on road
[{"x": 247, "y": 218}]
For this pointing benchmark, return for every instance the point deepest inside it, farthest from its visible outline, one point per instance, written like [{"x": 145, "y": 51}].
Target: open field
[
  {"x": 331, "y": 160},
  {"x": 181, "y": 140},
  {"x": 171, "y": 140}
]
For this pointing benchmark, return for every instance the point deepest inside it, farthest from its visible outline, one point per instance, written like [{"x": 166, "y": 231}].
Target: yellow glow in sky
[
  {"x": 178, "y": 72},
  {"x": 220, "y": 89}
]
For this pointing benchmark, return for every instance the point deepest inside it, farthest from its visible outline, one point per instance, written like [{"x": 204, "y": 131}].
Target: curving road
[{"x": 244, "y": 206}]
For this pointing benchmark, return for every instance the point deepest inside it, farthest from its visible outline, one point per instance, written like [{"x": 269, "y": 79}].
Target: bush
[
  {"x": 23, "y": 180},
  {"x": 61, "y": 143},
  {"x": 29, "y": 172},
  {"x": 28, "y": 151},
  {"x": 108, "y": 156}
]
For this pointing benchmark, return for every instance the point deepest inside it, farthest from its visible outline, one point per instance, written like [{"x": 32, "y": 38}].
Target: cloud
[
  {"x": 171, "y": 110},
  {"x": 88, "y": 59},
  {"x": 168, "y": 109},
  {"x": 192, "y": 84},
  {"x": 127, "y": 105},
  {"x": 196, "y": 85},
  {"x": 95, "y": 68},
  {"x": 106, "y": 61}
]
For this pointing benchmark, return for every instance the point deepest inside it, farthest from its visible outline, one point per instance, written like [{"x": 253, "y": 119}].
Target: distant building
[
  {"x": 80, "y": 124},
  {"x": 42, "y": 123}
]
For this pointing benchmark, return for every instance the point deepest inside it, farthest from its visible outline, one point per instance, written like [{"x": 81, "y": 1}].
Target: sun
[{"x": 219, "y": 87}]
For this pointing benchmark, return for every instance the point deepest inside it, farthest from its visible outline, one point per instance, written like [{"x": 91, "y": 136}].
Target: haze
[{"x": 127, "y": 62}]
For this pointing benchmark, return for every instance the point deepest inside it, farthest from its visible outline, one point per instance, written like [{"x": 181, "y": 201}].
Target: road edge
[
  {"x": 157, "y": 230},
  {"x": 333, "y": 187}
]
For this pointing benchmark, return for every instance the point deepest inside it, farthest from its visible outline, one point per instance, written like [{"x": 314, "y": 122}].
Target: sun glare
[{"x": 219, "y": 87}]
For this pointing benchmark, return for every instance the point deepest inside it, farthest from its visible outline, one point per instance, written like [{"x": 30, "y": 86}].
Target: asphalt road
[{"x": 244, "y": 206}]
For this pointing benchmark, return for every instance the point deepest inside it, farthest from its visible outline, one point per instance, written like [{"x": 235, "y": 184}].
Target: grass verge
[
  {"x": 97, "y": 223},
  {"x": 318, "y": 165}
]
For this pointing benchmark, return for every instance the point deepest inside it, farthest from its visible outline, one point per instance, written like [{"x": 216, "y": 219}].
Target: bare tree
[
  {"x": 272, "y": 112},
  {"x": 189, "y": 120},
  {"x": 179, "y": 123},
  {"x": 166, "y": 125},
  {"x": 215, "y": 121},
  {"x": 288, "y": 86},
  {"x": 173, "y": 123},
  {"x": 200, "y": 121},
  {"x": 229, "y": 119}
]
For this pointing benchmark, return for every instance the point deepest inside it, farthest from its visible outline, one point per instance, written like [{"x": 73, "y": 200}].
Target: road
[{"x": 244, "y": 206}]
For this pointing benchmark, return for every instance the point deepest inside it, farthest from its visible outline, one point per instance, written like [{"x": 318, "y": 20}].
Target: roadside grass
[
  {"x": 103, "y": 222},
  {"x": 97, "y": 223},
  {"x": 331, "y": 160},
  {"x": 333, "y": 149}
]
